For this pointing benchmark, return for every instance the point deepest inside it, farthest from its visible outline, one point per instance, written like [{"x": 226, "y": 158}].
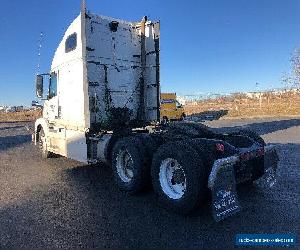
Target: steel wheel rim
[
  {"x": 124, "y": 165},
  {"x": 172, "y": 178}
]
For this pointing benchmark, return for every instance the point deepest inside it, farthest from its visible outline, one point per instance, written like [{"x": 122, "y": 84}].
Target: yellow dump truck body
[{"x": 170, "y": 108}]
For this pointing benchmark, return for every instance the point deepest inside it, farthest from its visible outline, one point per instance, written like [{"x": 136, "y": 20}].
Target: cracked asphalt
[{"x": 60, "y": 203}]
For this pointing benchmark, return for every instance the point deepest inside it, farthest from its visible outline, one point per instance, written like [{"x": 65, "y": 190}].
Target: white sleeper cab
[{"x": 103, "y": 105}]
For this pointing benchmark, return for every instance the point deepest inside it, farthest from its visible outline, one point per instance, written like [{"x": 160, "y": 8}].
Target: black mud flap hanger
[
  {"x": 222, "y": 183},
  {"x": 271, "y": 159}
]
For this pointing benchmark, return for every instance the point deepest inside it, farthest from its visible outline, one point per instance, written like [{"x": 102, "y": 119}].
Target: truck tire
[
  {"x": 252, "y": 134},
  {"x": 179, "y": 178},
  {"x": 182, "y": 117},
  {"x": 130, "y": 167},
  {"x": 42, "y": 144},
  {"x": 149, "y": 145},
  {"x": 205, "y": 153},
  {"x": 192, "y": 129},
  {"x": 165, "y": 120}
]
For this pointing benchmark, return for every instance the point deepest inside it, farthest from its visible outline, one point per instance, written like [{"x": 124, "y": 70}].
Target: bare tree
[
  {"x": 292, "y": 79},
  {"x": 296, "y": 66}
]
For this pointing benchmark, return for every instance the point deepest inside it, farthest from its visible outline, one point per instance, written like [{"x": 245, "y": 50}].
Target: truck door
[
  {"x": 51, "y": 105},
  {"x": 56, "y": 135}
]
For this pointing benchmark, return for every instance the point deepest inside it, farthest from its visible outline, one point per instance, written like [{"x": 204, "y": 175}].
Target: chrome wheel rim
[
  {"x": 172, "y": 178},
  {"x": 124, "y": 164}
]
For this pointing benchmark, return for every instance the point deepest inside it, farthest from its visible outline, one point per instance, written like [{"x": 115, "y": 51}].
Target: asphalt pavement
[{"x": 60, "y": 203}]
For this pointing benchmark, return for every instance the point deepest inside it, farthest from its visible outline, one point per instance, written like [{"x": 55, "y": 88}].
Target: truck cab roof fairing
[
  {"x": 69, "y": 65},
  {"x": 60, "y": 56}
]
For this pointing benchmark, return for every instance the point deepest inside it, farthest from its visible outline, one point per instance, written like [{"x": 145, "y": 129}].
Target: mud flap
[
  {"x": 222, "y": 184},
  {"x": 270, "y": 167}
]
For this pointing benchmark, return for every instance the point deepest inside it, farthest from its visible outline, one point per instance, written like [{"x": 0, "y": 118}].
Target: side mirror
[{"x": 39, "y": 84}]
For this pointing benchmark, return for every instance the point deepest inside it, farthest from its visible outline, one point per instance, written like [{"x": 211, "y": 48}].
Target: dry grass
[
  {"x": 28, "y": 115},
  {"x": 238, "y": 105}
]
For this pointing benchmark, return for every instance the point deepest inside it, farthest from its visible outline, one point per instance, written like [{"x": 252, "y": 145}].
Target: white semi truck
[{"x": 102, "y": 105}]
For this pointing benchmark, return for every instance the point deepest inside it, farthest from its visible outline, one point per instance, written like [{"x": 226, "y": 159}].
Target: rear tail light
[{"x": 250, "y": 155}]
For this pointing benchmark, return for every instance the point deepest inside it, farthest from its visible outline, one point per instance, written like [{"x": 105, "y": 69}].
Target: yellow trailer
[{"x": 170, "y": 108}]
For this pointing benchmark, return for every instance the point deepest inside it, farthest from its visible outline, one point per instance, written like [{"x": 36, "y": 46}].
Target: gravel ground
[{"x": 59, "y": 203}]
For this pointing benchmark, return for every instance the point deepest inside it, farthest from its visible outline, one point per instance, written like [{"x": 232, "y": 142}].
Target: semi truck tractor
[{"x": 102, "y": 105}]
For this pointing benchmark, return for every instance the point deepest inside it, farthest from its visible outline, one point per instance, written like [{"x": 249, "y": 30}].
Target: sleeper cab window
[{"x": 71, "y": 43}]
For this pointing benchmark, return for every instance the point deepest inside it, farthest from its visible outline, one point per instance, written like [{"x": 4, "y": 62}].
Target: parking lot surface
[{"x": 60, "y": 203}]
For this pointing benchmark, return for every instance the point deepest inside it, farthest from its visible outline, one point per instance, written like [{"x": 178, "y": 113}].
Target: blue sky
[{"x": 206, "y": 46}]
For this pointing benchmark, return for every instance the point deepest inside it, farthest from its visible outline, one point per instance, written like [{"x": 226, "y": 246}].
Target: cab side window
[
  {"x": 53, "y": 86},
  {"x": 71, "y": 43}
]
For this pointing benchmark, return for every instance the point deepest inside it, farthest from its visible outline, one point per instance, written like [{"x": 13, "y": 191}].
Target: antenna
[{"x": 39, "y": 53}]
